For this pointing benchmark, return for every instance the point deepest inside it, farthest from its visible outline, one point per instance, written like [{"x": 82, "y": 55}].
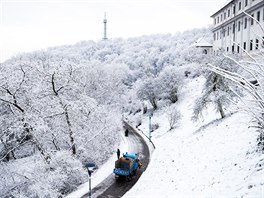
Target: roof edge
[{"x": 222, "y": 8}]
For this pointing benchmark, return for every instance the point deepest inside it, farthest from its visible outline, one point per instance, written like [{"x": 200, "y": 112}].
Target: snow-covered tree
[
  {"x": 173, "y": 116},
  {"x": 168, "y": 83},
  {"x": 218, "y": 91},
  {"x": 251, "y": 79},
  {"x": 149, "y": 91}
]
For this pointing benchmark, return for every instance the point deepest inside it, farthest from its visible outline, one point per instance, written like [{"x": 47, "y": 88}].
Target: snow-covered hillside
[{"x": 212, "y": 158}]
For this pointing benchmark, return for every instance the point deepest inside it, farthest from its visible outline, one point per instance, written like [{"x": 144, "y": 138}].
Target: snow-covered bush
[
  {"x": 32, "y": 177},
  {"x": 173, "y": 116}
]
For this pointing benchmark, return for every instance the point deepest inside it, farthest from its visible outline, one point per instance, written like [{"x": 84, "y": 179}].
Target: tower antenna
[{"x": 105, "y": 22}]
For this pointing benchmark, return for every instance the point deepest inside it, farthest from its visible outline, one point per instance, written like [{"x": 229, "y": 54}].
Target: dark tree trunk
[
  {"x": 220, "y": 109},
  {"x": 153, "y": 102},
  {"x": 73, "y": 147}
]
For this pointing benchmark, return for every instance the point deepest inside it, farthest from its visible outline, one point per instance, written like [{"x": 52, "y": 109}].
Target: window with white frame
[
  {"x": 258, "y": 16},
  {"x": 245, "y": 23},
  {"x": 257, "y": 43}
]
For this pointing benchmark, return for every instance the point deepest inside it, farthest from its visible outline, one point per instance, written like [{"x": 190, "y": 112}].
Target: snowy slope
[{"x": 212, "y": 158}]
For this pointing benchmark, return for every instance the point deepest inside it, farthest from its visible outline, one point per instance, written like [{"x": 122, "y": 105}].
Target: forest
[{"x": 63, "y": 106}]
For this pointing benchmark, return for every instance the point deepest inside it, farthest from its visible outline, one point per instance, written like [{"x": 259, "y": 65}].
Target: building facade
[{"x": 239, "y": 26}]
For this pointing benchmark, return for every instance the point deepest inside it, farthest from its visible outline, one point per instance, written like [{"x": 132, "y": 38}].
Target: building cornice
[{"x": 216, "y": 13}]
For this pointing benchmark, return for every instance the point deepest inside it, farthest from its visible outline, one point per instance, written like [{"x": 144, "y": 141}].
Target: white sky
[{"x": 38, "y": 24}]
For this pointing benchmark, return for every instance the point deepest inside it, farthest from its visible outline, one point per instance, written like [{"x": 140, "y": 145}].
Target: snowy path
[{"x": 103, "y": 181}]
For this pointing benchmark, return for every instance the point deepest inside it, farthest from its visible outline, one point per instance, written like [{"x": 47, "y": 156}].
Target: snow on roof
[
  {"x": 201, "y": 42},
  {"x": 224, "y": 6}
]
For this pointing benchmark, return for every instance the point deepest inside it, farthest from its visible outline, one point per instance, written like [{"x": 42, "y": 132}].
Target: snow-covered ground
[{"x": 212, "y": 158}]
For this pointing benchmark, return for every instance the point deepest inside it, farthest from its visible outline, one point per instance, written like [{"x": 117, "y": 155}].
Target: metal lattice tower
[{"x": 105, "y": 22}]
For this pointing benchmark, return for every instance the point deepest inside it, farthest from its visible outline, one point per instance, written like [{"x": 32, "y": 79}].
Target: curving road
[{"x": 113, "y": 188}]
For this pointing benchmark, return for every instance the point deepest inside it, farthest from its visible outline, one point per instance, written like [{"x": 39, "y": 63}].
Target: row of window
[
  {"x": 226, "y": 31},
  {"x": 236, "y": 7},
  {"x": 252, "y": 46}
]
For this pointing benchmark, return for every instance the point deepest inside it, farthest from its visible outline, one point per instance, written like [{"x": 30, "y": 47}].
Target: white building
[
  {"x": 235, "y": 31},
  {"x": 205, "y": 46}
]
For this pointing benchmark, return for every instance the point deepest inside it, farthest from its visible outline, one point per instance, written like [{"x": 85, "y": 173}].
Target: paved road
[{"x": 112, "y": 187}]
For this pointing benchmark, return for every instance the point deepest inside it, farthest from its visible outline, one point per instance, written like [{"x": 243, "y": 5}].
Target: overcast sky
[{"x": 27, "y": 25}]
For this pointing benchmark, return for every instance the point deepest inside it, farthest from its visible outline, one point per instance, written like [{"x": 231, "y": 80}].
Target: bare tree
[
  {"x": 217, "y": 90},
  {"x": 56, "y": 92},
  {"x": 173, "y": 116},
  {"x": 13, "y": 95}
]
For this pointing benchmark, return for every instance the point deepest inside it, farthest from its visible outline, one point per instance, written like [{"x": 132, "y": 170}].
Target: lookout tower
[{"x": 105, "y": 22}]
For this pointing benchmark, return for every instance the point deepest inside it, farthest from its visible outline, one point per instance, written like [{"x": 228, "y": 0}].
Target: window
[
  {"x": 227, "y": 49},
  {"x": 233, "y": 48},
  {"x": 246, "y": 3},
  {"x": 234, "y": 28},
  {"x": 224, "y": 15},
  {"x": 214, "y": 36},
  {"x": 245, "y": 24},
  {"x": 221, "y": 17},
  {"x": 245, "y": 46},
  {"x": 263, "y": 14},
  {"x": 234, "y": 9},
  {"x": 228, "y": 29},
  {"x": 223, "y": 32},
  {"x": 239, "y": 5},
  {"x": 257, "y": 43},
  {"x": 252, "y": 19},
  {"x": 217, "y": 35},
  {"x": 218, "y": 19},
  {"x": 228, "y": 13},
  {"x": 263, "y": 41},
  {"x": 238, "y": 28},
  {"x": 238, "y": 48},
  {"x": 251, "y": 45},
  {"x": 258, "y": 15}
]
